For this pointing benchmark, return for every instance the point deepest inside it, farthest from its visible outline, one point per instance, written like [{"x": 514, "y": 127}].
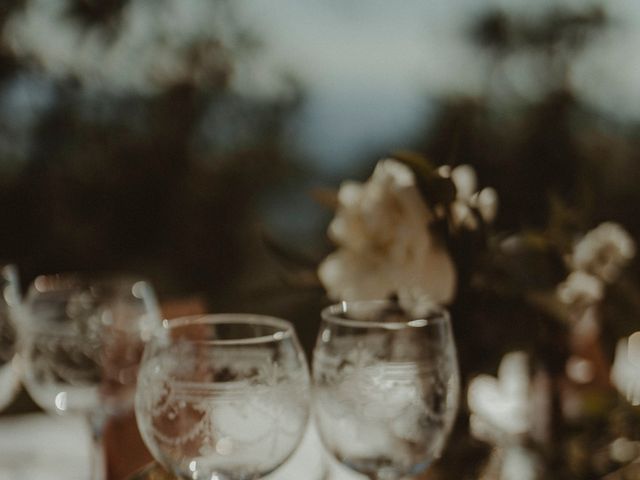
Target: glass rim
[
  {"x": 284, "y": 328},
  {"x": 434, "y": 315}
]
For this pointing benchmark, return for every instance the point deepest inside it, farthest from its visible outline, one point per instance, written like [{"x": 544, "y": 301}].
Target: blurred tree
[
  {"x": 560, "y": 168},
  {"x": 160, "y": 177}
]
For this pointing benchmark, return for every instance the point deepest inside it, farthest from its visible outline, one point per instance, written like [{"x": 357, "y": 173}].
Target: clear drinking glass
[
  {"x": 223, "y": 397},
  {"x": 386, "y": 387},
  {"x": 81, "y": 341},
  {"x": 9, "y": 302}
]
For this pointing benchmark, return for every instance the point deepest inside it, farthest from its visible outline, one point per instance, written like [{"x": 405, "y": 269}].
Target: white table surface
[
  {"x": 41, "y": 447},
  {"x": 38, "y": 446}
]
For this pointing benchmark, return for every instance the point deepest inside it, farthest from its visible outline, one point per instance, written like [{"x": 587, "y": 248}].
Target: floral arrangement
[
  {"x": 391, "y": 230},
  {"x": 559, "y": 335}
]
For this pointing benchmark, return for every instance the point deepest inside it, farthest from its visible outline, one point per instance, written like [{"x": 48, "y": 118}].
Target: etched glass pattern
[
  {"x": 223, "y": 396},
  {"x": 386, "y": 387},
  {"x": 9, "y": 302}
]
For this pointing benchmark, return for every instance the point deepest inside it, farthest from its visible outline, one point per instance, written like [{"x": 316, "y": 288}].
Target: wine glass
[
  {"x": 81, "y": 340},
  {"x": 386, "y": 387},
  {"x": 9, "y": 302},
  {"x": 223, "y": 397}
]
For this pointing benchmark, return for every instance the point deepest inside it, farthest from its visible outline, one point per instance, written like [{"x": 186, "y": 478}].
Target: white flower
[
  {"x": 624, "y": 450},
  {"x": 604, "y": 251},
  {"x": 625, "y": 373},
  {"x": 468, "y": 199},
  {"x": 519, "y": 464},
  {"x": 580, "y": 288},
  {"x": 501, "y": 407},
  {"x": 385, "y": 247},
  {"x": 513, "y": 462},
  {"x": 486, "y": 201},
  {"x": 507, "y": 410}
]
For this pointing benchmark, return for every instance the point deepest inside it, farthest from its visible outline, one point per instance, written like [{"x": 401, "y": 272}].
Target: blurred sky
[
  {"x": 372, "y": 68},
  {"x": 369, "y": 68},
  {"x": 371, "y": 71}
]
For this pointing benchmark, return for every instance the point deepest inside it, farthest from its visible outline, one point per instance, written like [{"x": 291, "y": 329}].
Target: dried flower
[
  {"x": 511, "y": 463},
  {"x": 484, "y": 202},
  {"x": 580, "y": 288},
  {"x": 623, "y": 450},
  {"x": 500, "y": 407},
  {"x": 625, "y": 373},
  {"x": 604, "y": 251},
  {"x": 502, "y": 413},
  {"x": 385, "y": 247}
]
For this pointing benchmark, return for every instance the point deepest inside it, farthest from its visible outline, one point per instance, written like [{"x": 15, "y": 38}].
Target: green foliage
[{"x": 435, "y": 189}]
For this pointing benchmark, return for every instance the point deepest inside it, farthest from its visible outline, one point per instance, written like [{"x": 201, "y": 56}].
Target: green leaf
[
  {"x": 434, "y": 188},
  {"x": 416, "y": 162}
]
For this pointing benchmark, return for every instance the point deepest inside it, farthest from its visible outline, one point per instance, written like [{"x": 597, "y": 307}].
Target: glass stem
[{"x": 98, "y": 463}]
